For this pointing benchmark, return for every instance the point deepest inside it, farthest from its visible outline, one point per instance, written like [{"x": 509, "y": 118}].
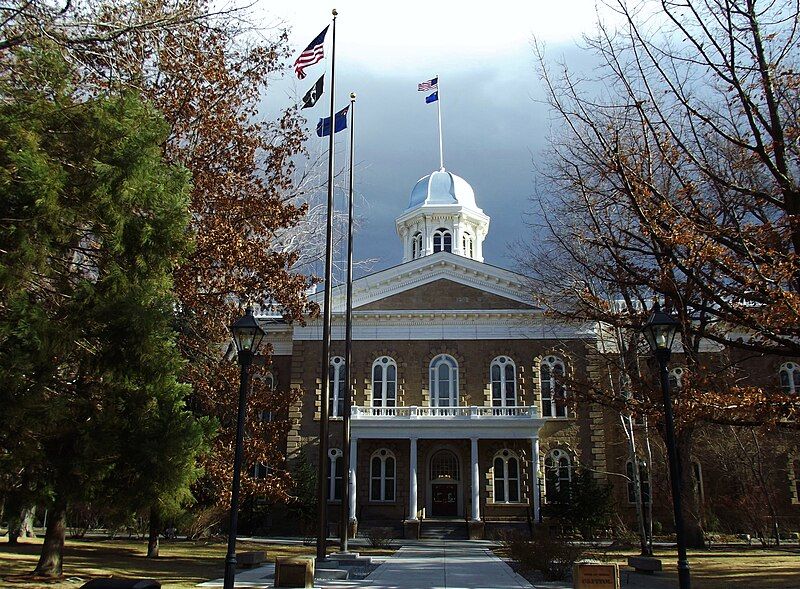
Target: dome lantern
[{"x": 442, "y": 215}]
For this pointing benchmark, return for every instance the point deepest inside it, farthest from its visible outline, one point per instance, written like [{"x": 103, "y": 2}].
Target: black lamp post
[
  {"x": 248, "y": 336},
  {"x": 660, "y": 331}
]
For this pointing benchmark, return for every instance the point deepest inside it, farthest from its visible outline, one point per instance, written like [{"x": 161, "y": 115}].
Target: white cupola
[{"x": 442, "y": 216}]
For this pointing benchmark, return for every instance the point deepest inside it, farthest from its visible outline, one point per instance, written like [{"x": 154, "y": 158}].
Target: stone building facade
[{"x": 459, "y": 411}]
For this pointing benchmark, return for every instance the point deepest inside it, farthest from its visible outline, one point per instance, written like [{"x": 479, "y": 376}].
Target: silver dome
[{"x": 442, "y": 188}]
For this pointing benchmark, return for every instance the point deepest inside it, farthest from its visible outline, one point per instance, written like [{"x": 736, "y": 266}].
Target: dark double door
[{"x": 445, "y": 500}]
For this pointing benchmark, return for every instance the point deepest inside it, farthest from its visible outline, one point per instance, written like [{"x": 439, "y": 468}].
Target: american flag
[
  {"x": 310, "y": 55},
  {"x": 429, "y": 85}
]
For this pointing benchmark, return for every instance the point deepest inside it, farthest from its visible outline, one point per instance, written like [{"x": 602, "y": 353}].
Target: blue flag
[
  {"x": 432, "y": 98},
  {"x": 340, "y": 123}
]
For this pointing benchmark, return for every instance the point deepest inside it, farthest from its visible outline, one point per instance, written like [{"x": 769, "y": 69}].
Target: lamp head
[
  {"x": 660, "y": 329},
  {"x": 247, "y": 333}
]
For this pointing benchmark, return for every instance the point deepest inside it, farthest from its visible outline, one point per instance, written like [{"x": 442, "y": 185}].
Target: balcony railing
[{"x": 474, "y": 412}]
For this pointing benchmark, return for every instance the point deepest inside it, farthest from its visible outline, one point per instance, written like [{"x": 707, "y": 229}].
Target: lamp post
[
  {"x": 247, "y": 336},
  {"x": 660, "y": 331}
]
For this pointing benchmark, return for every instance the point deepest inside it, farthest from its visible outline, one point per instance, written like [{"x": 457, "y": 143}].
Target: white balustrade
[{"x": 473, "y": 412}]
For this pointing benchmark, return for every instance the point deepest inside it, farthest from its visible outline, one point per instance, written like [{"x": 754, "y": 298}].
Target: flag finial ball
[
  {"x": 334, "y": 12},
  {"x": 352, "y": 97}
]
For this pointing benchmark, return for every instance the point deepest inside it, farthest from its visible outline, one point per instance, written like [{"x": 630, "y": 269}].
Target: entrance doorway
[
  {"x": 445, "y": 484},
  {"x": 445, "y": 500}
]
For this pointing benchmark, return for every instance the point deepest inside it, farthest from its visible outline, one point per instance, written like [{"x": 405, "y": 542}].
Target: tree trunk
[
  {"x": 690, "y": 499},
  {"x": 26, "y": 522},
  {"x": 50, "y": 559},
  {"x": 155, "y": 529}
]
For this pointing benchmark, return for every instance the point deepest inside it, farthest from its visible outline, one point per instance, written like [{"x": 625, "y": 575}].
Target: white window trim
[
  {"x": 440, "y": 233},
  {"x": 506, "y": 455},
  {"x": 337, "y": 362},
  {"x": 502, "y": 362},
  {"x": 552, "y": 362},
  {"x": 790, "y": 368},
  {"x": 334, "y": 455},
  {"x": 379, "y": 388},
  {"x": 555, "y": 456},
  {"x": 382, "y": 475},
  {"x": 434, "y": 380}
]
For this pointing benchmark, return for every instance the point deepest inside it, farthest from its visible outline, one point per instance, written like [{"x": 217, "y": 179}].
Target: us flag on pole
[
  {"x": 311, "y": 54},
  {"x": 429, "y": 85}
]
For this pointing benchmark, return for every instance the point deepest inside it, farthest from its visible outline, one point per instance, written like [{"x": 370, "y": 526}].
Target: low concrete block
[
  {"x": 247, "y": 560},
  {"x": 476, "y": 530},
  {"x": 294, "y": 571},
  {"x": 411, "y": 529},
  {"x": 644, "y": 564}
]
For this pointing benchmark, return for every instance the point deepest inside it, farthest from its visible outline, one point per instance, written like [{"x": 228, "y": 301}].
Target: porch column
[
  {"x": 352, "y": 477},
  {"x": 535, "y": 479},
  {"x": 412, "y": 480},
  {"x": 476, "y": 482}
]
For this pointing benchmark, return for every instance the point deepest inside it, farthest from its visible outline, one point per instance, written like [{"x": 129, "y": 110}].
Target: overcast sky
[{"x": 494, "y": 122}]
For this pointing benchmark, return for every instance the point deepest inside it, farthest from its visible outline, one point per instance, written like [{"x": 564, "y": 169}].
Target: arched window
[
  {"x": 259, "y": 471},
  {"x": 444, "y": 465},
  {"x": 676, "y": 378},
  {"x": 337, "y": 387},
  {"x": 382, "y": 476},
  {"x": 269, "y": 379},
  {"x": 335, "y": 475},
  {"x": 384, "y": 382},
  {"x": 644, "y": 482},
  {"x": 503, "y": 373},
  {"x": 466, "y": 244},
  {"x": 506, "y": 477},
  {"x": 416, "y": 246},
  {"x": 442, "y": 241},
  {"x": 790, "y": 377},
  {"x": 554, "y": 395},
  {"x": 557, "y": 476},
  {"x": 444, "y": 381}
]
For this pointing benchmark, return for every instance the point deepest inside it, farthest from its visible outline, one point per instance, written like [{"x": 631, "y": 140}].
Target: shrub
[
  {"x": 380, "y": 537},
  {"x": 550, "y": 555}
]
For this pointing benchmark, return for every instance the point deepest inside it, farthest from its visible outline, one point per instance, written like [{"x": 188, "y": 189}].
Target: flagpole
[
  {"x": 344, "y": 518},
  {"x": 324, "y": 462},
  {"x": 439, "y": 111}
]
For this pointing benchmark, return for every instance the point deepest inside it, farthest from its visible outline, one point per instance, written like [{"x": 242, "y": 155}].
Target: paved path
[{"x": 446, "y": 565}]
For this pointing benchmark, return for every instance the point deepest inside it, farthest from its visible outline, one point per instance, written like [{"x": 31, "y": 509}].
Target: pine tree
[{"x": 92, "y": 224}]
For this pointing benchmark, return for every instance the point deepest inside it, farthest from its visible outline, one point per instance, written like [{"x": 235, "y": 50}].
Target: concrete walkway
[{"x": 445, "y": 565}]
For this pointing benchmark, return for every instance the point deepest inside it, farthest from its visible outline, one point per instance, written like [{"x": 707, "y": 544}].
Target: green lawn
[{"x": 182, "y": 564}]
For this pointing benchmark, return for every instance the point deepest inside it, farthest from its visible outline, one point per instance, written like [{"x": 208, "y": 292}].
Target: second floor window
[
  {"x": 384, "y": 382},
  {"x": 790, "y": 378},
  {"x": 337, "y": 387},
  {"x": 504, "y": 382},
  {"x": 444, "y": 381},
  {"x": 554, "y": 394}
]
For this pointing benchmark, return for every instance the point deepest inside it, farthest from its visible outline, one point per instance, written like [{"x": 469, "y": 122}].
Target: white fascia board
[
  {"x": 523, "y": 324},
  {"x": 427, "y": 269},
  {"x": 448, "y": 429}
]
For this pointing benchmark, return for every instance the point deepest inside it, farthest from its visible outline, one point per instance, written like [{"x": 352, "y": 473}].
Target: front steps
[{"x": 443, "y": 529}]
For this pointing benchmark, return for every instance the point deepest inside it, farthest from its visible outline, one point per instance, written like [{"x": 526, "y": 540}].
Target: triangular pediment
[
  {"x": 438, "y": 281},
  {"x": 446, "y": 295}
]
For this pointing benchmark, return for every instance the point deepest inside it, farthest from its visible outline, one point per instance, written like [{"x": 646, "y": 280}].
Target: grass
[
  {"x": 728, "y": 567},
  {"x": 724, "y": 567},
  {"x": 182, "y": 564}
]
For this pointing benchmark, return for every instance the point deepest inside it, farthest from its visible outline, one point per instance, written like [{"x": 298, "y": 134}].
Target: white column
[
  {"x": 476, "y": 482},
  {"x": 412, "y": 480},
  {"x": 535, "y": 478},
  {"x": 352, "y": 477}
]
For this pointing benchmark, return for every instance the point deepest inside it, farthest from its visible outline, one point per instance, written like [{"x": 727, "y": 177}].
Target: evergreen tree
[{"x": 92, "y": 224}]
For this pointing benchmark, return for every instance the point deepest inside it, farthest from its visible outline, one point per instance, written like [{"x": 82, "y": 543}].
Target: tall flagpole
[
  {"x": 439, "y": 110},
  {"x": 344, "y": 519},
  {"x": 324, "y": 462}
]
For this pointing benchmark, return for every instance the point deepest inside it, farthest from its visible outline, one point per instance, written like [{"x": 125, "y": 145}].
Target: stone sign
[{"x": 596, "y": 576}]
